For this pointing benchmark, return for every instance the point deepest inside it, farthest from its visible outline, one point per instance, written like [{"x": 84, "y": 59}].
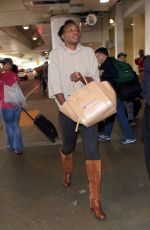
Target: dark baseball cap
[
  {"x": 121, "y": 54},
  {"x": 6, "y": 60}
]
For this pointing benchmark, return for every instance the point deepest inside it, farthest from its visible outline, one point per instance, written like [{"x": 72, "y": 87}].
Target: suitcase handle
[{"x": 28, "y": 114}]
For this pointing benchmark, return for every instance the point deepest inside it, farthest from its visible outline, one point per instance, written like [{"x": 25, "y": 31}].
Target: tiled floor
[{"x": 32, "y": 196}]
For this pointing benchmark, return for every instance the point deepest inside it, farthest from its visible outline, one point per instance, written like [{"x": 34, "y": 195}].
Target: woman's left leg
[
  {"x": 18, "y": 143},
  {"x": 93, "y": 165},
  {"x": 7, "y": 115}
]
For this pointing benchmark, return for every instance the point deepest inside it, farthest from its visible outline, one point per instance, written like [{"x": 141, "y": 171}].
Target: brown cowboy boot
[
  {"x": 67, "y": 161},
  {"x": 94, "y": 178}
]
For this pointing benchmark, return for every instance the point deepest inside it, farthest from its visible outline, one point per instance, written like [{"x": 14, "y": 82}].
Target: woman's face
[
  {"x": 71, "y": 34},
  {"x": 6, "y": 66}
]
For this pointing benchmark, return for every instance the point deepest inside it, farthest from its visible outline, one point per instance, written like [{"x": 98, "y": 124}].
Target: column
[
  {"x": 105, "y": 30},
  {"x": 138, "y": 35},
  {"x": 119, "y": 29},
  {"x": 56, "y": 23},
  {"x": 147, "y": 27}
]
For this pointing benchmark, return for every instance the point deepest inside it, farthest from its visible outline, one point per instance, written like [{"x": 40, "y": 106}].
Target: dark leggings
[{"x": 69, "y": 136}]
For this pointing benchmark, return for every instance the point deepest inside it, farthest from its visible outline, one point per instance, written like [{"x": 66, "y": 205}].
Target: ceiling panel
[{"x": 37, "y": 13}]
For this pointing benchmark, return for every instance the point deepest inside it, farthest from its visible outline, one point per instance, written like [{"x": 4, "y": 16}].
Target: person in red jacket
[
  {"x": 10, "y": 113},
  {"x": 140, "y": 62}
]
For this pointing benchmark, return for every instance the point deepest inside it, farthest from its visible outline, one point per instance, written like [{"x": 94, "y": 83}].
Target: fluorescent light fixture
[
  {"x": 111, "y": 20},
  {"x": 104, "y": 1},
  {"x": 25, "y": 27},
  {"x": 34, "y": 38}
]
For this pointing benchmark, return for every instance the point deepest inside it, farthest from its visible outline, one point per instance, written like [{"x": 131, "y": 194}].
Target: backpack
[{"x": 125, "y": 72}]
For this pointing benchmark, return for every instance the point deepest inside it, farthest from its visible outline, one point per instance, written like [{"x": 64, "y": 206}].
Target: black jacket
[{"x": 110, "y": 75}]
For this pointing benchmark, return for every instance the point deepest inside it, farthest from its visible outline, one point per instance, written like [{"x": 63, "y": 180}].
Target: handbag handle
[{"x": 86, "y": 83}]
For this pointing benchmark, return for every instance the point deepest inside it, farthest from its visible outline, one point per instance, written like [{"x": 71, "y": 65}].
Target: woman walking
[
  {"x": 10, "y": 113},
  {"x": 70, "y": 62}
]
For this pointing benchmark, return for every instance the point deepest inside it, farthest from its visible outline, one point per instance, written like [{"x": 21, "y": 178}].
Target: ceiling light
[
  {"x": 111, "y": 21},
  {"x": 34, "y": 38},
  {"x": 25, "y": 27},
  {"x": 104, "y": 1}
]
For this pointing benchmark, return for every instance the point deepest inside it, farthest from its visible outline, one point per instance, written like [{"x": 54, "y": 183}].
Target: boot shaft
[
  {"x": 67, "y": 161},
  {"x": 94, "y": 178}
]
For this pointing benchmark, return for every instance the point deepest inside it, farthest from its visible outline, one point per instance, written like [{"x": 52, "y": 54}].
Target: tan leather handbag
[{"x": 92, "y": 103}]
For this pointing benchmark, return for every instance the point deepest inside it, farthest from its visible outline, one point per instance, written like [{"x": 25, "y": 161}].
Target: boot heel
[{"x": 99, "y": 214}]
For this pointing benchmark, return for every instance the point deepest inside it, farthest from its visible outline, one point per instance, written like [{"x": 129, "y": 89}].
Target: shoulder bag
[
  {"x": 92, "y": 103},
  {"x": 14, "y": 95}
]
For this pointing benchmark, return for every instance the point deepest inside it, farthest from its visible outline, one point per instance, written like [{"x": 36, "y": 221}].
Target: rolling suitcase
[{"x": 44, "y": 125}]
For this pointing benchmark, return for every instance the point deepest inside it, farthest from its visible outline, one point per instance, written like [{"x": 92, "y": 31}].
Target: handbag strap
[
  {"x": 15, "y": 79},
  {"x": 86, "y": 83}
]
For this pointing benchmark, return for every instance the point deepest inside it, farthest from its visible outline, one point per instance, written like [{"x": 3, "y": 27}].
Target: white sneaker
[
  {"x": 126, "y": 141},
  {"x": 103, "y": 137}
]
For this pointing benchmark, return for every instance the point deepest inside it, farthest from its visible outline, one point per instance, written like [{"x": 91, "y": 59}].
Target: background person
[
  {"x": 108, "y": 73},
  {"x": 70, "y": 62},
  {"x": 122, "y": 56},
  {"x": 10, "y": 113},
  {"x": 129, "y": 104},
  {"x": 146, "y": 118},
  {"x": 139, "y": 61},
  {"x": 44, "y": 77},
  {"x": 14, "y": 68}
]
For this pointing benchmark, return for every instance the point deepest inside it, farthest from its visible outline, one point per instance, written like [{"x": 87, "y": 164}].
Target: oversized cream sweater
[{"x": 63, "y": 62}]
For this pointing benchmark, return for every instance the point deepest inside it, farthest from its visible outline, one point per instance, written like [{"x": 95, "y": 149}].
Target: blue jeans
[
  {"x": 69, "y": 136},
  {"x": 11, "y": 118},
  {"x": 123, "y": 122}
]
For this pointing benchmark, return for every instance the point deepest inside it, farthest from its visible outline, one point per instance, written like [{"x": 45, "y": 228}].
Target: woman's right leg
[
  {"x": 93, "y": 166},
  {"x": 69, "y": 141},
  {"x": 18, "y": 143}
]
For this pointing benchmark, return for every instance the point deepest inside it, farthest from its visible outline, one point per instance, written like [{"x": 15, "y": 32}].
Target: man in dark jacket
[
  {"x": 108, "y": 73},
  {"x": 146, "y": 119}
]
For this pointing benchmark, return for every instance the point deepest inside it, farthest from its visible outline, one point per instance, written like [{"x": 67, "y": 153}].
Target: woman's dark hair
[
  {"x": 61, "y": 29},
  {"x": 14, "y": 68},
  {"x": 102, "y": 50}
]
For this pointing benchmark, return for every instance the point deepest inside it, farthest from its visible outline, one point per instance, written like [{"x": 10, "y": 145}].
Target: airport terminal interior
[{"x": 32, "y": 195}]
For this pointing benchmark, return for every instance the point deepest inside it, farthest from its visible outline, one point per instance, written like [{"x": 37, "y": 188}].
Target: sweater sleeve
[{"x": 54, "y": 80}]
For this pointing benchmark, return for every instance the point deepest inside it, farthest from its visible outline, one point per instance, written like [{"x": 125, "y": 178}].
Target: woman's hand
[{"x": 76, "y": 76}]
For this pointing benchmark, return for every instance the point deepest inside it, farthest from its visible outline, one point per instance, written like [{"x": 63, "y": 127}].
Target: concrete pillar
[
  {"x": 105, "y": 30},
  {"x": 147, "y": 27},
  {"x": 138, "y": 34},
  {"x": 56, "y": 23},
  {"x": 119, "y": 29}
]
